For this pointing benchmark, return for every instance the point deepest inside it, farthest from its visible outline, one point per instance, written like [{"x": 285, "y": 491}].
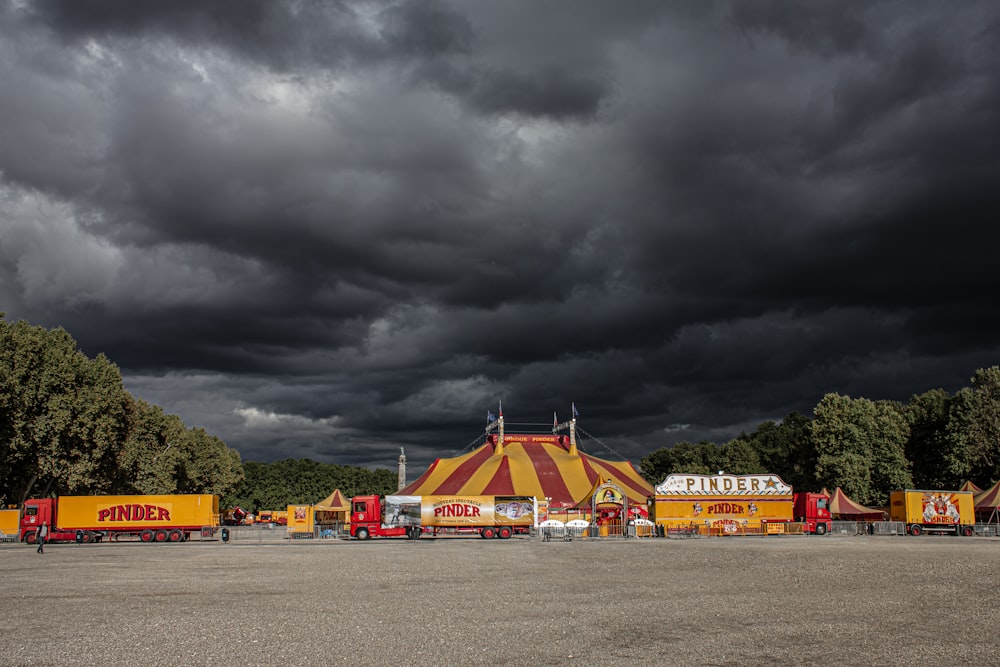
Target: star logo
[{"x": 771, "y": 484}]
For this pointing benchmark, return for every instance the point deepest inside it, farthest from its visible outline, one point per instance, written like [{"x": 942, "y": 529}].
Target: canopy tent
[
  {"x": 843, "y": 507},
  {"x": 335, "y": 502},
  {"x": 542, "y": 466},
  {"x": 335, "y": 508},
  {"x": 969, "y": 485}
]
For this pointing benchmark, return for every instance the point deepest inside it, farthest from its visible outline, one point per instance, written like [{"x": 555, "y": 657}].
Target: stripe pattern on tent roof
[{"x": 541, "y": 466}]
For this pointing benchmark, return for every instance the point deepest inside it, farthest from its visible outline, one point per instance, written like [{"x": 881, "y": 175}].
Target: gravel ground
[{"x": 726, "y": 601}]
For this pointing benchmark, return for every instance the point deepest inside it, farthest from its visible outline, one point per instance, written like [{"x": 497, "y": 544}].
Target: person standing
[{"x": 43, "y": 532}]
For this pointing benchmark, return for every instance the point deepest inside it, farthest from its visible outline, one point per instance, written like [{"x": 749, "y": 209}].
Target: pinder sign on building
[{"x": 723, "y": 485}]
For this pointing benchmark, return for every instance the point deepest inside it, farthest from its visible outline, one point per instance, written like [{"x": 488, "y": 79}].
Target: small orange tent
[{"x": 841, "y": 506}]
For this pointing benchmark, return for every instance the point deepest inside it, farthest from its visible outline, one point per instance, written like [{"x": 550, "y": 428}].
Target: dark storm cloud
[{"x": 332, "y": 229}]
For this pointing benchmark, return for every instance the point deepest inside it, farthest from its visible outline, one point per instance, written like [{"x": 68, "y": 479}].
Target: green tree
[
  {"x": 68, "y": 426},
  {"x": 739, "y": 457},
  {"x": 704, "y": 458},
  {"x": 860, "y": 447},
  {"x": 974, "y": 429},
  {"x": 63, "y": 416},
  {"x": 274, "y": 486},
  {"x": 938, "y": 460},
  {"x": 786, "y": 449}
]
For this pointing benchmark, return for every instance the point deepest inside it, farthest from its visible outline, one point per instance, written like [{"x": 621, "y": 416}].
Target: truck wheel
[
  {"x": 967, "y": 531},
  {"x": 175, "y": 536},
  {"x": 146, "y": 536},
  {"x": 362, "y": 534},
  {"x": 160, "y": 536},
  {"x": 29, "y": 538},
  {"x": 87, "y": 537},
  {"x": 821, "y": 529},
  {"x": 915, "y": 529},
  {"x": 504, "y": 533},
  {"x": 487, "y": 533}
]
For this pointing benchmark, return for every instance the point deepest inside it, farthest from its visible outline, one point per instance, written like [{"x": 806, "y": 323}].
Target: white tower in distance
[{"x": 402, "y": 469}]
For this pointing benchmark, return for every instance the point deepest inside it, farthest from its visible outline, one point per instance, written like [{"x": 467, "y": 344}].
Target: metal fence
[{"x": 267, "y": 533}]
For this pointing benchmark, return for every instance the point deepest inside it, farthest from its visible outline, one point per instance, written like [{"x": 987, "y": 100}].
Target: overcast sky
[{"x": 328, "y": 230}]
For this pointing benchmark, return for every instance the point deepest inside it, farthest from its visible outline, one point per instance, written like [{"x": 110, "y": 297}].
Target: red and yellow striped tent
[
  {"x": 543, "y": 466},
  {"x": 842, "y": 507},
  {"x": 335, "y": 502},
  {"x": 969, "y": 485},
  {"x": 989, "y": 499}
]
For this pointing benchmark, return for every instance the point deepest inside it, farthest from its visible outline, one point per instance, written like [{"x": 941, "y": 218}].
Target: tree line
[
  {"x": 867, "y": 447},
  {"x": 69, "y": 427},
  {"x": 274, "y": 486}
]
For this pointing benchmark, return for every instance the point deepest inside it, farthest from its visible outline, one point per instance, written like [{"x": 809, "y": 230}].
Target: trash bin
[{"x": 225, "y": 534}]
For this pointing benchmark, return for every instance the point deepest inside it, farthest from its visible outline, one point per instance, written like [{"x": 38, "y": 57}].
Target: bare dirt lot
[{"x": 724, "y": 601}]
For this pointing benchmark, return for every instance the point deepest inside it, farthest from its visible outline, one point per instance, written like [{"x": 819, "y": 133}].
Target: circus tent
[
  {"x": 969, "y": 485},
  {"x": 843, "y": 507},
  {"x": 543, "y": 466},
  {"x": 988, "y": 500}
]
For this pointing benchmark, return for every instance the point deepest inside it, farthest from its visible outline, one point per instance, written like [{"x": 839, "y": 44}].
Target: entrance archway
[{"x": 609, "y": 510}]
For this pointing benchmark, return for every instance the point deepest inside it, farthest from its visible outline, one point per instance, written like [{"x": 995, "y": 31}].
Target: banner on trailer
[
  {"x": 104, "y": 512},
  {"x": 300, "y": 518},
  {"x": 723, "y": 485},
  {"x": 401, "y": 511},
  {"x": 458, "y": 511},
  {"x": 940, "y": 507}
]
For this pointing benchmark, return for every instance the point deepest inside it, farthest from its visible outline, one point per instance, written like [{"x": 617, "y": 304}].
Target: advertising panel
[
  {"x": 300, "y": 518},
  {"x": 457, "y": 511},
  {"x": 727, "y": 485},
  {"x": 102, "y": 512}
]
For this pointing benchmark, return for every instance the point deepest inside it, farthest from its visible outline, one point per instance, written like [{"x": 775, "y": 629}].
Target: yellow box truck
[
  {"x": 933, "y": 511},
  {"x": 161, "y": 518}
]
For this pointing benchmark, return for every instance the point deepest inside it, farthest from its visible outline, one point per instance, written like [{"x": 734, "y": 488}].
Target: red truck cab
[
  {"x": 367, "y": 514},
  {"x": 44, "y": 510},
  {"x": 812, "y": 510}
]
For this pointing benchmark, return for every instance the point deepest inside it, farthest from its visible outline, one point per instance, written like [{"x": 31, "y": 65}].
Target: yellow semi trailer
[
  {"x": 9, "y": 523},
  {"x": 157, "y": 518}
]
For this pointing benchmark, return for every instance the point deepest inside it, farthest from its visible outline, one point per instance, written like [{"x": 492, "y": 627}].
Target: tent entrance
[{"x": 609, "y": 510}]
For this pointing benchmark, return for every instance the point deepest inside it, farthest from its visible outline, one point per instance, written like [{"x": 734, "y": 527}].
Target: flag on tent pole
[
  {"x": 490, "y": 417},
  {"x": 501, "y": 408},
  {"x": 576, "y": 413},
  {"x": 555, "y": 420}
]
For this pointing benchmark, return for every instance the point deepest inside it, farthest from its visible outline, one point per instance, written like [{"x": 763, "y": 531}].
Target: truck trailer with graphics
[
  {"x": 163, "y": 518},
  {"x": 736, "y": 504},
  {"x": 409, "y": 516},
  {"x": 933, "y": 511}
]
